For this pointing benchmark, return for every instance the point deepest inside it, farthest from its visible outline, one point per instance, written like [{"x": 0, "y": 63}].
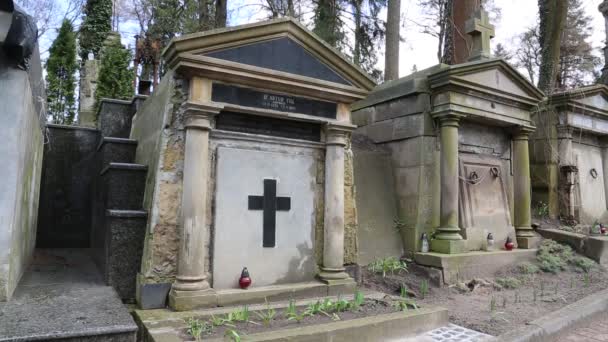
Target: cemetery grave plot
[
  {"x": 514, "y": 297},
  {"x": 242, "y": 321}
]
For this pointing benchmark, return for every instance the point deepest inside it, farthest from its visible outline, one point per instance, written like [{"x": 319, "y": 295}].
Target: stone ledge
[
  {"x": 71, "y": 127},
  {"x": 592, "y": 246},
  {"x": 124, "y": 166},
  {"x": 548, "y": 327},
  {"x": 112, "y": 140},
  {"x": 480, "y": 264},
  {"x": 164, "y": 325},
  {"x": 127, "y": 213}
]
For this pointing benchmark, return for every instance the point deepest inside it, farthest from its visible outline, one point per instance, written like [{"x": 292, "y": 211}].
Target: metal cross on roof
[{"x": 481, "y": 31}]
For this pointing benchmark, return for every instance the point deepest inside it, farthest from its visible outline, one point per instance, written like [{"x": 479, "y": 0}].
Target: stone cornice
[
  {"x": 450, "y": 76},
  {"x": 232, "y": 36},
  {"x": 237, "y": 73}
]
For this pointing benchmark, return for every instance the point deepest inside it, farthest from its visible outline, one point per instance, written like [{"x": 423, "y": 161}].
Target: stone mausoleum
[
  {"x": 247, "y": 143},
  {"x": 569, "y": 155},
  {"x": 457, "y": 136}
]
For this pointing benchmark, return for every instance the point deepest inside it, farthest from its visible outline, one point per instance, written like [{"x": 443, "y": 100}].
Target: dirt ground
[{"x": 484, "y": 306}]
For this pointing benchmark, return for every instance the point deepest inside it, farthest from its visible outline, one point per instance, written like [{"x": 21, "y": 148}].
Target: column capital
[
  {"x": 337, "y": 134},
  {"x": 448, "y": 119},
  {"x": 198, "y": 115},
  {"x": 522, "y": 132}
]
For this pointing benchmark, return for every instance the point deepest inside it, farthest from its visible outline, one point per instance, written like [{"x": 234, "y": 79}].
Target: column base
[
  {"x": 449, "y": 246},
  {"x": 189, "y": 300},
  {"x": 528, "y": 242},
  {"x": 331, "y": 274}
]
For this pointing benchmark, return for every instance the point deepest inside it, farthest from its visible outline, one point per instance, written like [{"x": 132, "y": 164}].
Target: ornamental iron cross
[
  {"x": 481, "y": 31},
  {"x": 269, "y": 203}
]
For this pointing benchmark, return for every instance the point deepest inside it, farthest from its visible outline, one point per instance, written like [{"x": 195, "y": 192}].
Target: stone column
[
  {"x": 191, "y": 288},
  {"x": 567, "y": 170},
  {"x": 448, "y": 239},
  {"x": 526, "y": 238},
  {"x": 605, "y": 168},
  {"x": 333, "y": 231}
]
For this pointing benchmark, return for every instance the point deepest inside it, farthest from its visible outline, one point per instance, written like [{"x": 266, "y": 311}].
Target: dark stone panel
[
  {"x": 115, "y": 118},
  {"x": 282, "y": 54},
  {"x": 125, "y": 231},
  {"x": 117, "y": 150},
  {"x": 124, "y": 186},
  {"x": 246, "y": 123},
  {"x": 261, "y": 99},
  {"x": 68, "y": 168},
  {"x": 153, "y": 296}
]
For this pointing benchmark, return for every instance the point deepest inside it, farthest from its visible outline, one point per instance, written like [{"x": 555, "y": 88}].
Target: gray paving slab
[{"x": 62, "y": 296}]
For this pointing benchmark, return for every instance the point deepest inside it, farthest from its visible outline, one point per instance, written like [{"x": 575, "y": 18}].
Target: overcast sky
[{"x": 421, "y": 49}]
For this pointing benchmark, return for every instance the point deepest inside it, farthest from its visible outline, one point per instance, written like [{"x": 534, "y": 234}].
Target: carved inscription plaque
[{"x": 261, "y": 99}]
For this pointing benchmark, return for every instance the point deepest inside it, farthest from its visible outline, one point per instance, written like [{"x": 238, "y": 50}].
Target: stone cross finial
[
  {"x": 481, "y": 31},
  {"x": 603, "y": 8}
]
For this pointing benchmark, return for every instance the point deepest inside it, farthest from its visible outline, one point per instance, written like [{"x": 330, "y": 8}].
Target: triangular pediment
[
  {"x": 281, "y": 45},
  {"x": 494, "y": 76},
  {"x": 281, "y": 54},
  {"x": 598, "y": 100}
]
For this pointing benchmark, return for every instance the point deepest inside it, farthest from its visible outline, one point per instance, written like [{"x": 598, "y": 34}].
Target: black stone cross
[{"x": 269, "y": 203}]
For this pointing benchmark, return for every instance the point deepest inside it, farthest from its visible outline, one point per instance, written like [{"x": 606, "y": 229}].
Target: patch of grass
[
  {"x": 233, "y": 335},
  {"x": 358, "y": 300},
  {"x": 197, "y": 328},
  {"x": 387, "y": 265},
  {"x": 553, "y": 257},
  {"x": 528, "y": 268},
  {"x": 508, "y": 282},
  {"x": 424, "y": 288},
  {"x": 405, "y": 305},
  {"x": 267, "y": 315},
  {"x": 492, "y": 304},
  {"x": 582, "y": 263}
]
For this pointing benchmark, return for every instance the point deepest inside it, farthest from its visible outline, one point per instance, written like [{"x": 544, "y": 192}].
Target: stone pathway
[
  {"x": 594, "y": 331},
  {"x": 449, "y": 333},
  {"x": 62, "y": 296},
  {"x": 455, "y": 333}
]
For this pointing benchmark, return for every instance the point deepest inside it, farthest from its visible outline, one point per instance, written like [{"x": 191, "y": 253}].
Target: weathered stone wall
[
  {"x": 377, "y": 210},
  {"x": 544, "y": 168},
  {"x": 65, "y": 191},
  {"x": 21, "y": 128},
  {"x": 157, "y": 129}
]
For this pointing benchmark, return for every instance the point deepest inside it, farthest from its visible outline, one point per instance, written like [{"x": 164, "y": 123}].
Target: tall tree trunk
[
  {"x": 221, "y": 13},
  {"x": 203, "y": 15},
  {"x": 291, "y": 11},
  {"x": 393, "y": 23},
  {"x": 552, "y": 20},
  {"x": 358, "y": 35}
]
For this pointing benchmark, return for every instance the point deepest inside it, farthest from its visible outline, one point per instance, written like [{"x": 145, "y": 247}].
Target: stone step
[
  {"x": 116, "y": 150},
  {"x": 119, "y": 249},
  {"x": 123, "y": 186}
]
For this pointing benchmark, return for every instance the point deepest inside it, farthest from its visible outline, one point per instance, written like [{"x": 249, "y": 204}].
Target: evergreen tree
[
  {"x": 328, "y": 24},
  {"x": 96, "y": 25},
  {"x": 577, "y": 63},
  {"x": 115, "y": 76},
  {"x": 60, "y": 80}
]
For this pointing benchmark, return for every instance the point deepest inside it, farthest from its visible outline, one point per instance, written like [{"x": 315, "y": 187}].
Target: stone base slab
[
  {"x": 449, "y": 246},
  {"x": 592, "y": 246},
  {"x": 466, "y": 266},
  {"x": 190, "y": 300},
  {"x": 165, "y": 325},
  {"x": 528, "y": 242}
]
